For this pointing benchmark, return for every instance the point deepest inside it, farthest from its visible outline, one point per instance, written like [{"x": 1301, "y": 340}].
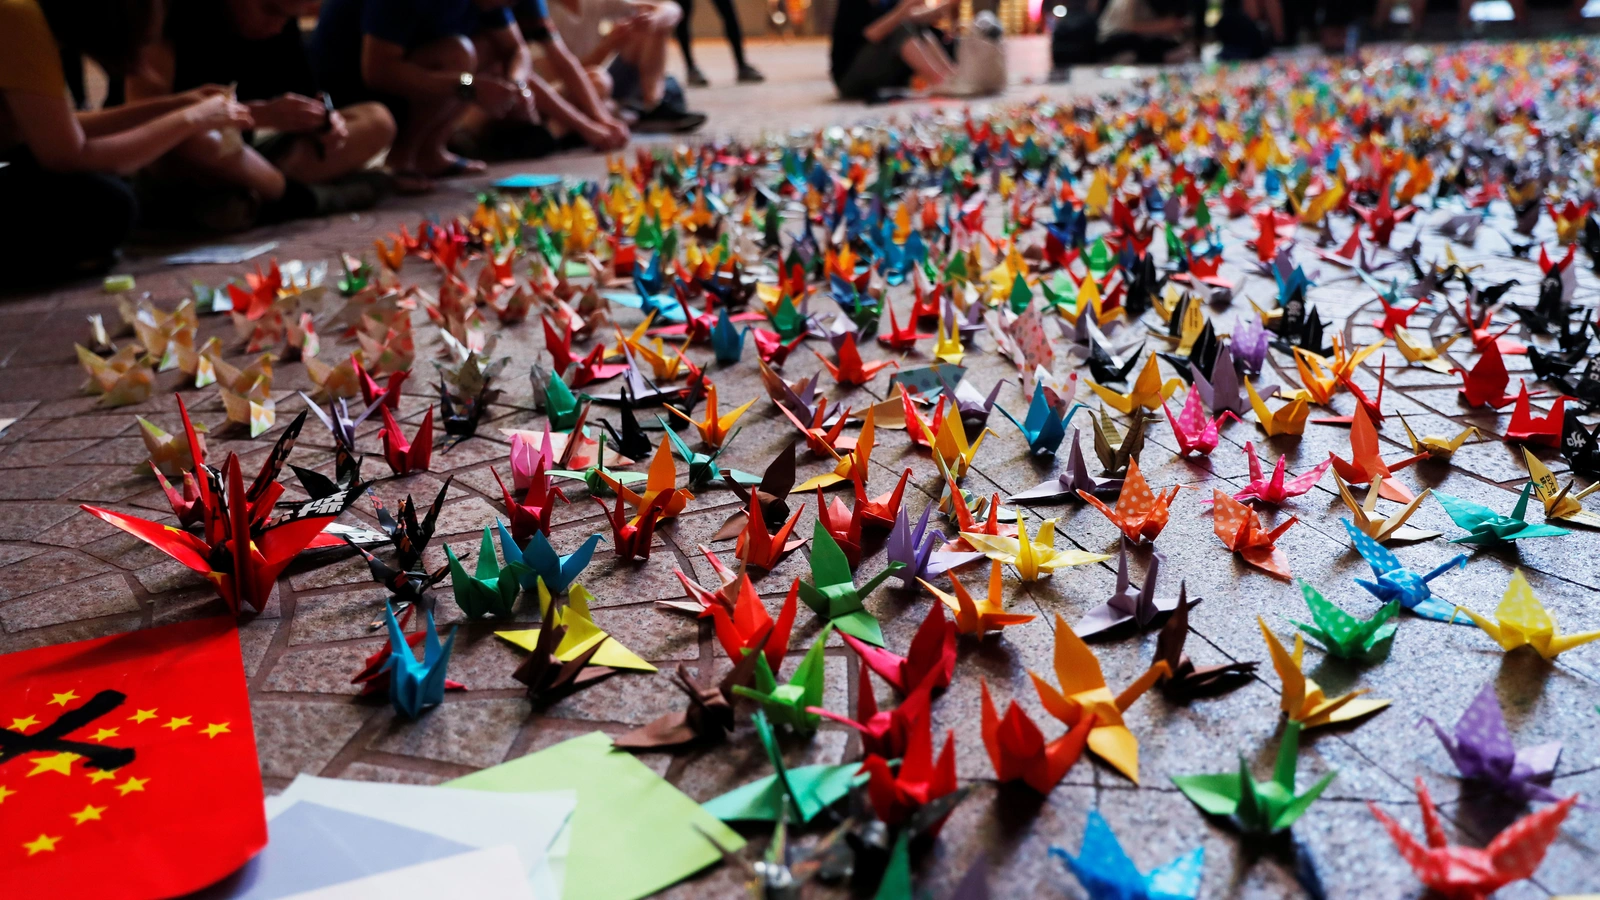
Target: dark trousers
[
  {"x": 730, "y": 27},
  {"x": 59, "y": 225}
]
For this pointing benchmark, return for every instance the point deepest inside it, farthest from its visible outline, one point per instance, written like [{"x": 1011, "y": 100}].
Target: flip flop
[
  {"x": 459, "y": 166},
  {"x": 410, "y": 183}
]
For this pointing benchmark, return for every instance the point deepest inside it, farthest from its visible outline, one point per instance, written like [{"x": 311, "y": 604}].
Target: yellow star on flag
[
  {"x": 101, "y": 735},
  {"x": 89, "y": 813},
  {"x": 63, "y": 699},
  {"x": 132, "y": 785},
  {"x": 58, "y": 762},
  {"x": 215, "y": 729},
  {"x": 4, "y": 793},
  {"x": 143, "y": 715},
  {"x": 23, "y": 724},
  {"x": 100, "y": 775},
  {"x": 43, "y": 843},
  {"x": 177, "y": 723}
]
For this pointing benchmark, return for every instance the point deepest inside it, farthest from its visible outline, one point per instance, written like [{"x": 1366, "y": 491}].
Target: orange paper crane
[
  {"x": 1365, "y": 463},
  {"x": 858, "y": 458},
  {"x": 822, "y": 440},
  {"x": 714, "y": 430},
  {"x": 978, "y": 617},
  {"x": 760, "y": 548},
  {"x": 1083, "y": 696},
  {"x": 1242, "y": 532},
  {"x": 850, "y": 370},
  {"x": 1140, "y": 513},
  {"x": 1467, "y": 873},
  {"x": 1019, "y": 752},
  {"x": 662, "y": 479}
]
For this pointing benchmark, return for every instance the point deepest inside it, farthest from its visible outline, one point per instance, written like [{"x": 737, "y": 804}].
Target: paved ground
[{"x": 65, "y": 576}]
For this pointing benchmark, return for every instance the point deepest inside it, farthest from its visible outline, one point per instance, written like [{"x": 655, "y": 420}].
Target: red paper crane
[
  {"x": 374, "y": 677},
  {"x": 372, "y": 392},
  {"x": 1485, "y": 383},
  {"x": 901, "y": 338},
  {"x": 1543, "y": 430},
  {"x": 895, "y": 795},
  {"x": 932, "y": 655},
  {"x": 823, "y": 441},
  {"x": 631, "y": 537},
  {"x": 1467, "y": 873},
  {"x": 699, "y": 599},
  {"x": 1394, "y": 317},
  {"x": 577, "y": 372},
  {"x": 885, "y": 733},
  {"x": 1382, "y": 218},
  {"x": 760, "y": 548},
  {"x": 878, "y": 512},
  {"x": 1019, "y": 752},
  {"x": 1481, "y": 334},
  {"x": 1366, "y": 463},
  {"x": 1242, "y": 532},
  {"x": 749, "y": 627},
  {"x": 771, "y": 346},
  {"x": 403, "y": 456},
  {"x": 844, "y": 524},
  {"x": 533, "y": 514},
  {"x": 1140, "y": 513},
  {"x": 255, "y": 300},
  {"x": 850, "y": 370}
]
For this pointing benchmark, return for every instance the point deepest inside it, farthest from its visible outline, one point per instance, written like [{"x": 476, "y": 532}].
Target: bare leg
[
  {"x": 928, "y": 60},
  {"x": 206, "y": 158},
  {"x": 371, "y": 130},
  {"x": 648, "y": 53},
  {"x": 419, "y": 147}
]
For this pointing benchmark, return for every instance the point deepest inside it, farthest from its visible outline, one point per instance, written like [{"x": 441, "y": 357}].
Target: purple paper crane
[
  {"x": 1249, "y": 345},
  {"x": 1074, "y": 477},
  {"x": 973, "y": 407},
  {"x": 1482, "y": 750},
  {"x": 1224, "y": 393},
  {"x": 1141, "y": 607},
  {"x": 914, "y": 547}
]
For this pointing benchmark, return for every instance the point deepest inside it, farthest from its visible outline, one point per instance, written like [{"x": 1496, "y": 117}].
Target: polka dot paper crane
[
  {"x": 1303, "y": 700},
  {"x": 1522, "y": 621},
  {"x": 1242, "y": 532},
  {"x": 1140, "y": 513}
]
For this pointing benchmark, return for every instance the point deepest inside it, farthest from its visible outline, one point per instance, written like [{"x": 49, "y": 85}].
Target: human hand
[
  {"x": 496, "y": 95},
  {"x": 195, "y": 95},
  {"x": 218, "y": 112},
  {"x": 290, "y": 113},
  {"x": 338, "y": 131},
  {"x": 604, "y": 135}
]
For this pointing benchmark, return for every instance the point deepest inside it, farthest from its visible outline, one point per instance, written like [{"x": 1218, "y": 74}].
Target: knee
[
  {"x": 204, "y": 148},
  {"x": 454, "y": 53},
  {"x": 371, "y": 125},
  {"x": 669, "y": 17}
]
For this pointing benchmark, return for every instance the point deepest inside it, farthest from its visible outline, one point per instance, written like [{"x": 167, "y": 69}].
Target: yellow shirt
[{"x": 29, "y": 58}]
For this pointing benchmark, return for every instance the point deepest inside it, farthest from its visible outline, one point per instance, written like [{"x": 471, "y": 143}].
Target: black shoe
[
  {"x": 697, "y": 78},
  {"x": 352, "y": 193},
  {"x": 749, "y": 75},
  {"x": 664, "y": 120}
]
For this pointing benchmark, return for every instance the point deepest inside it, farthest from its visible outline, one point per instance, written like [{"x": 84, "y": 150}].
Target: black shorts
[{"x": 878, "y": 66}]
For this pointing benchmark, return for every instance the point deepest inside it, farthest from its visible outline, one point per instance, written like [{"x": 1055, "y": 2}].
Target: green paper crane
[
  {"x": 833, "y": 593},
  {"x": 1099, "y": 259},
  {"x": 786, "y": 319},
  {"x": 1021, "y": 295},
  {"x": 1344, "y": 635},
  {"x": 493, "y": 588},
  {"x": 703, "y": 470},
  {"x": 807, "y": 790},
  {"x": 787, "y": 704},
  {"x": 560, "y": 404},
  {"x": 591, "y": 476},
  {"x": 1256, "y": 807},
  {"x": 896, "y": 882}
]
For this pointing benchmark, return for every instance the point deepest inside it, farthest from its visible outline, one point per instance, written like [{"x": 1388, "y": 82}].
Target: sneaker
[
  {"x": 697, "y": 78},
  {"x": 750, "y": 75},
  {"x": 663, "y": 120}
]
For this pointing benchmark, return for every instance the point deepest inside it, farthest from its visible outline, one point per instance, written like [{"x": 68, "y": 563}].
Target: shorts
[{"x": 878, "y": 66}]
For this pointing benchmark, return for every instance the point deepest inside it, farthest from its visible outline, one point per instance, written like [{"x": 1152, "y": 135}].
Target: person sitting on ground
[
  {"x": 878, "y": 47},
  {"x": 420, "y": 59},
  {"x": 67, "y": 211},
  {"x": 630, "y": 60},
  {"x": 304, "y": 157},
  {"x": 1143, "y": 31}
]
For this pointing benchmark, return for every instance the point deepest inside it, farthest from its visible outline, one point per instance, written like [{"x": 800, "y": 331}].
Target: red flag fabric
[{"x": 127, "y": 765}]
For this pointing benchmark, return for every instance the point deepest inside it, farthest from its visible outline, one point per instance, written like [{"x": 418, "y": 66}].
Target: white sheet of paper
[
  {"x": 223, "y": 255},
  {"x": 494, "y": 873},
  {"x": 534, "y": 823}
]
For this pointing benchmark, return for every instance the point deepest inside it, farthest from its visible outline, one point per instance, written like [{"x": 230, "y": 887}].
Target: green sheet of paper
[{"x": 632, "y": 834}]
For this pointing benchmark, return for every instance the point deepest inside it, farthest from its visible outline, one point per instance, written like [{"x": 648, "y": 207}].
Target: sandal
[{"x": 410, "y": 183}]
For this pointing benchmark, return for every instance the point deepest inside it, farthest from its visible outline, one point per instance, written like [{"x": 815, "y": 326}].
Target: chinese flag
[{"x": 127, "y": 765}]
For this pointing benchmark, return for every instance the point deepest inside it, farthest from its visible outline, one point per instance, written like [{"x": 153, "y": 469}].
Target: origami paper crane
[
  {"x": 1083, "y": 695},
  {"x": 832, "y": 592},
  {"x": 1114, "y": 451},
  {"x": 1522, "y": 621},
  {"x": 897, "y": 796},
  {"x": 1436, "y": 446},
  {"x": 1034, "y": 558},
  {"x": 1105, "y": 872},
  {"x": 403, "y": 456},
  {"x": 661, "y": 480},
  {"x": 947, "y": 346},
  {"x": 915, "y": 547},
  {"x": 1366, "y": 463},
  {"x": 850, "y": 370},
  {"x": 1148, "y": 390},
  {"x": 1560, "y": 504},
  {"x": 1019, "y": 752},
  {"x": 1395, "y": 583},
  {"x": 1483, "y": 753},
  {"x": 1256, "y": 807},
  {"x": 727, "y": 342},
  {"x": 1241, "y": 531},
  {"x": 1467, "y": 872},
  {"x": 1188, "y": 681},
  {"x": 932, "y": 655},
  {"x": 707, "y": 720},
  {"x": 703, "y": 471},
  {"x": 1417, "y": 350},
  {"x": 1302, "y": 699},
  {"x": 416, "y": 685},
  {"x": 978, "y": 618},
  {"x": 374, "y": 675},
  {"x": 1276, "y": 490},
  {"x": 1140, "y": 607},
  {"x": 1542, "y": 430},
  {"x": 749, "y": 628},
  {"x": 1074, "y": 477},
  {"x": 492, "y": 589},
  {"x": 859, "y": 456},
  {"x": 714, "y": 430},
  {"x": 1045, "y": 427},
  {"x": 1382, "y": 219},
  {"x": 884, "y": 733},
  {"x": 574, "y": 371},
  {"x": 1287, "y": 419},
  {"x": 1487, "y": 528},
  {"x": 631, "y": 537},
  {"x": 1485, "y": 383},
  {"x": 1342, "y": 635},
  {"x": 1140, "y": 513},
  {"x": 1196, "y": 432},
  {"x": 790, "y": 704},
  {"x": 803, "y": 792},
  {"x": 539, "y": 561},
  {"x": 547, "y": 677},
  {"x": 950, "y": 442},
  {"x": 580, "y": 635}
]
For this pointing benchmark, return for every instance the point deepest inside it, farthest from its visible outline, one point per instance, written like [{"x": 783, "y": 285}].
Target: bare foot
[{"x": 449, "y": 165}]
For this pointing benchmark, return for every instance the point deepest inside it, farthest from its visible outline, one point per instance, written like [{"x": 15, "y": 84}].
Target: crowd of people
[{"x": 223, "y": 114}]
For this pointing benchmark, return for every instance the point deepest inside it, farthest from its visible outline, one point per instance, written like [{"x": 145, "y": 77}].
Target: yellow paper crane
[
  {"x": 860, "y": 456},
  {"x": 1522, "y": 621},
  {"x": 1034, "y": 558},
  {"x": 947, "y": 347},
  {"x": 978, "y": 617},
  {"x": 624, "y": 341},
  {"x": 714, "y": 430},
  {"x": 1318, "y": 383},
  {"x": 1090, "y": 300},
  {"x": 1287, "y": 419},
  {"x": 661, "y": 479},
  {"x": 1148, "y": 390},
  {"x": 667, "y": 364},
  {"x": 1560, "y": 502},
  {"x": 950, "y": 442},
  {"x": 1417, "y": 350},
  {"x": 582, "y": 633},
  {"x": 1434, "y": 445},
  {"x": 1083, "y": 692},
  {"x": 1377, "y": 527},
  {"x": 1303, "y": 701}
]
